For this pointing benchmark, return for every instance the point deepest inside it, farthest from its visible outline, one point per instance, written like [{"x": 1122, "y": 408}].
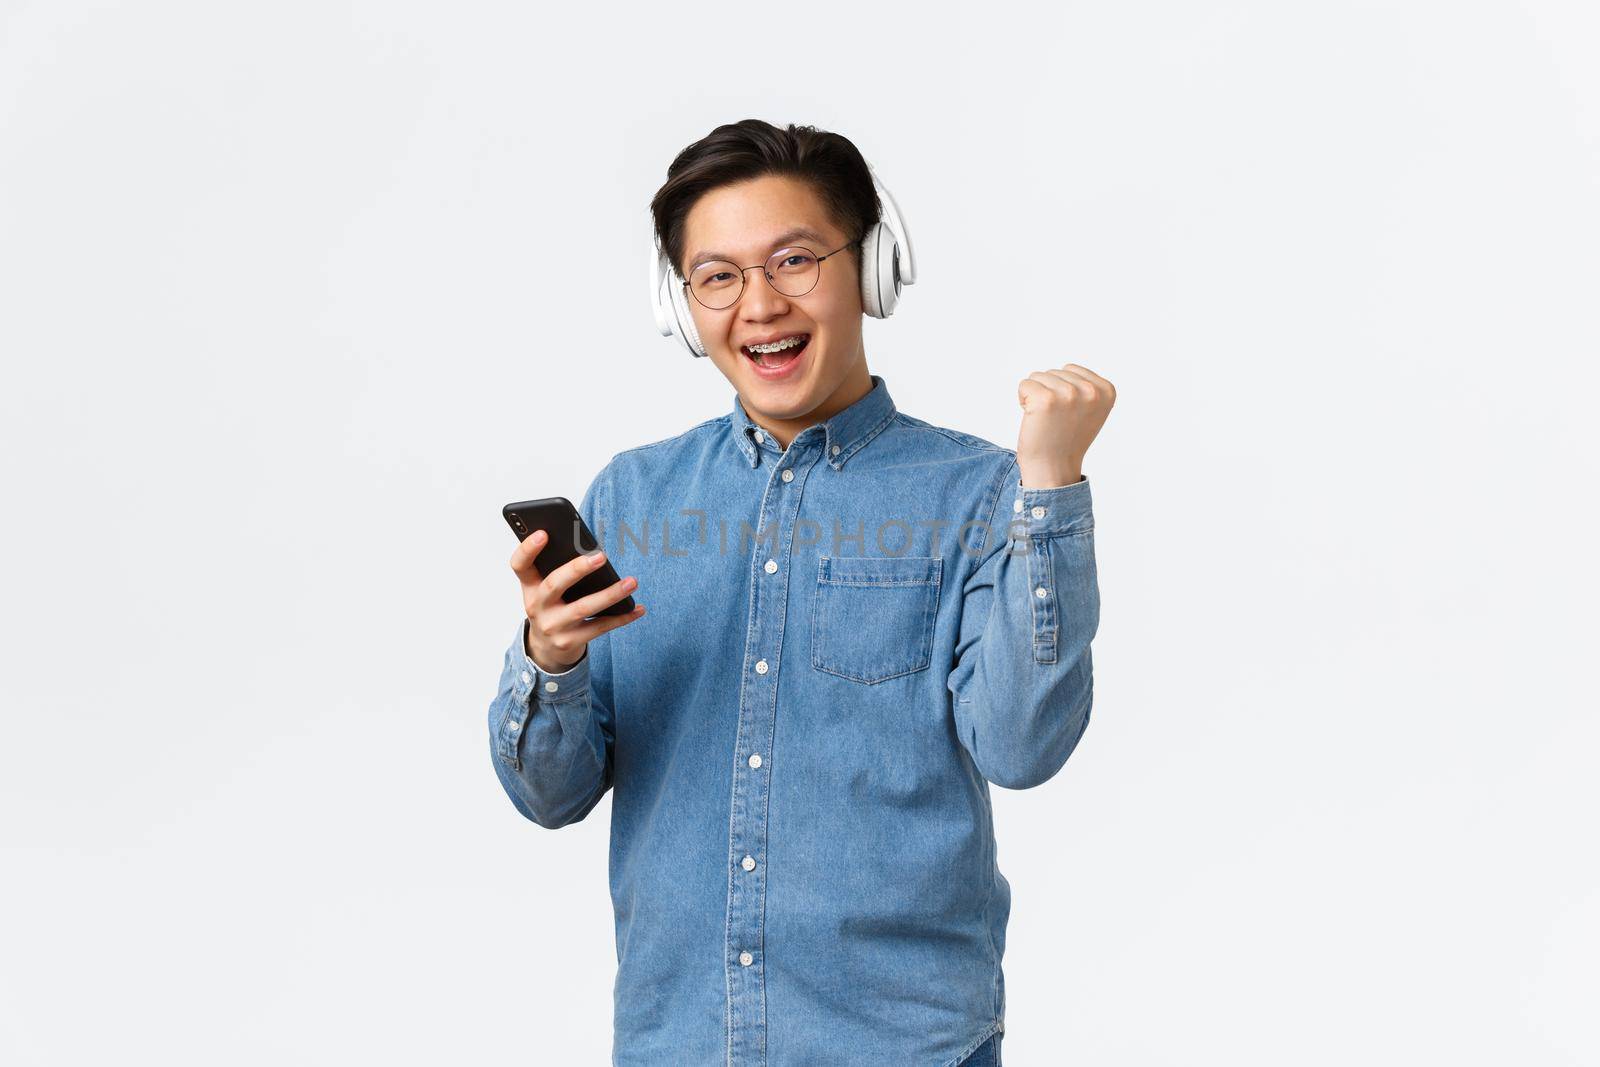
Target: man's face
[{"x": 744, "y": 224}]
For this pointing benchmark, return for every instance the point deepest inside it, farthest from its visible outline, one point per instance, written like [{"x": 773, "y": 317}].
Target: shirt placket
[{"x": 753, "y": 764}]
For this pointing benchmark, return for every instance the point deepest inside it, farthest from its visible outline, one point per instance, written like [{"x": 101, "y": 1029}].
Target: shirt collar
[{"x": 843, "y": 435}]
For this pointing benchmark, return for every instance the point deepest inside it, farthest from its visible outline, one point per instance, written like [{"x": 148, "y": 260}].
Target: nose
[{"x": 760, "y": 300}]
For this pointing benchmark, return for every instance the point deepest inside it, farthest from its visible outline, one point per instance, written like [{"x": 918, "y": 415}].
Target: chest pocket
[{"x": 873, "y": 618}]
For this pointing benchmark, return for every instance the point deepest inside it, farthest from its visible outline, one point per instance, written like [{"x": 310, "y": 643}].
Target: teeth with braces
[{"x": 778, "y": 346}]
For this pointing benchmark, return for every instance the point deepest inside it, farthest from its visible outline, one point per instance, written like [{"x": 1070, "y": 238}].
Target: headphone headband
[{"x": 908, "y": 269}]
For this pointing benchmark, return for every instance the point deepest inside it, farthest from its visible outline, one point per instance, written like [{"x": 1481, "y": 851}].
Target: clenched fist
[{"x": 1062, "y": 411}]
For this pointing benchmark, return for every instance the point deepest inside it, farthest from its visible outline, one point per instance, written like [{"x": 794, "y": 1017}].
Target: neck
[{"x": 857, "y": 384}]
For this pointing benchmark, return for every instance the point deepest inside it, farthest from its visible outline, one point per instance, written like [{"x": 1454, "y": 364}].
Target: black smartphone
[{"x": 569, "y": 535}]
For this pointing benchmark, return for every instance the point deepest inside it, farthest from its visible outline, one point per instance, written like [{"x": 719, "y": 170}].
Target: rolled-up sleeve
[{"x": 1023, "y": 680}]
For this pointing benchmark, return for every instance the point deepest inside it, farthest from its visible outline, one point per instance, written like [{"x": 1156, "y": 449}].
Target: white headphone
[{"x": 884, "y": 269}]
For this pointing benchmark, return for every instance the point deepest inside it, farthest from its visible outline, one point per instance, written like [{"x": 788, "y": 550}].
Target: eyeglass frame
[{"x": 742, "y": 273}]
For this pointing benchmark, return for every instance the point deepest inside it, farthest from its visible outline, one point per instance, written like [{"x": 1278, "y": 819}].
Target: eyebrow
[{"x": 783, "y": 238}]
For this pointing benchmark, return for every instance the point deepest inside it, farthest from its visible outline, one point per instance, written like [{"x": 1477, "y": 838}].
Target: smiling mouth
[{"x": 774, "y": 360}]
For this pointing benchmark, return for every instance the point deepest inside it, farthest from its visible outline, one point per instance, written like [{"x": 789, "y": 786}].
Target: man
[{"x": 857, "y": 621}]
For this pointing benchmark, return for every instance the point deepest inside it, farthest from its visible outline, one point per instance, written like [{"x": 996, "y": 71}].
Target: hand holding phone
[{"x": 570, "y": 598}]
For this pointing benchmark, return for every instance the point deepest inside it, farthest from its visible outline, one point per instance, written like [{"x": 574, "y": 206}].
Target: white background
[{"x": 294, "y": 296}]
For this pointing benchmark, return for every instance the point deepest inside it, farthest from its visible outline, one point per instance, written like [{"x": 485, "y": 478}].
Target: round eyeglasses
[{"x": 792, "y": 271}]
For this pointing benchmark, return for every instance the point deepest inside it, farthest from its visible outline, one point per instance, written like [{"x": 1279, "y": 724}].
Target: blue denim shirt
[{"x": 847, "y": 641}]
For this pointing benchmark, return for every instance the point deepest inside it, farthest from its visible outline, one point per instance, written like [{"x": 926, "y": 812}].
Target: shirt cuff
[
  {"x": 549, "y": 685},
  {"x": 1051, "y": 512}
]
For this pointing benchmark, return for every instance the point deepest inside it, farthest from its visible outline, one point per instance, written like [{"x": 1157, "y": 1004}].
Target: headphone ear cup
[
  {"x": 880, "y": 272},
  {"x": 888, "y": 272},
  {"x": 869, "y": 272},
  {"x": 683, "y": 317}
]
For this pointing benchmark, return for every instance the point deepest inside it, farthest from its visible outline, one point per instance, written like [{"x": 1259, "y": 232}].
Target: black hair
[{"x": 751, "y": 148}]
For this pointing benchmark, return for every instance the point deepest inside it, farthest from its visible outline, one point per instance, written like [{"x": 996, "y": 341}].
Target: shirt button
[
  {"x": 748, "y": 863},
  {"x": 515, "y": 726},
  {"x": 755, "y": 759},
  {"x": 1016, "y": 505},
  {"x": 1039, "y": 592},
  {"x": 526, "y": 677},
  {"x": 761, "y": 666},
  {"x": 746, "y": 959},
  {"x": 834, "y": 451},
  {"x": 787, "y": 475},
  {"x": 551, "y": 687},
  {"x": 1038, "y": 512},
  {"x": 759, "y": 437},
  {"x": 771, "y": 567}
]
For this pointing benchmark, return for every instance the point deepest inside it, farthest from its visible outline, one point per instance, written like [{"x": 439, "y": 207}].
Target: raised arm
[{"x": 1023, "y": 683}]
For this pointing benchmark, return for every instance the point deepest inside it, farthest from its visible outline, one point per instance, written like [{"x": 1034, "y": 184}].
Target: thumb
[{"x": 1027, "y": 391}]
